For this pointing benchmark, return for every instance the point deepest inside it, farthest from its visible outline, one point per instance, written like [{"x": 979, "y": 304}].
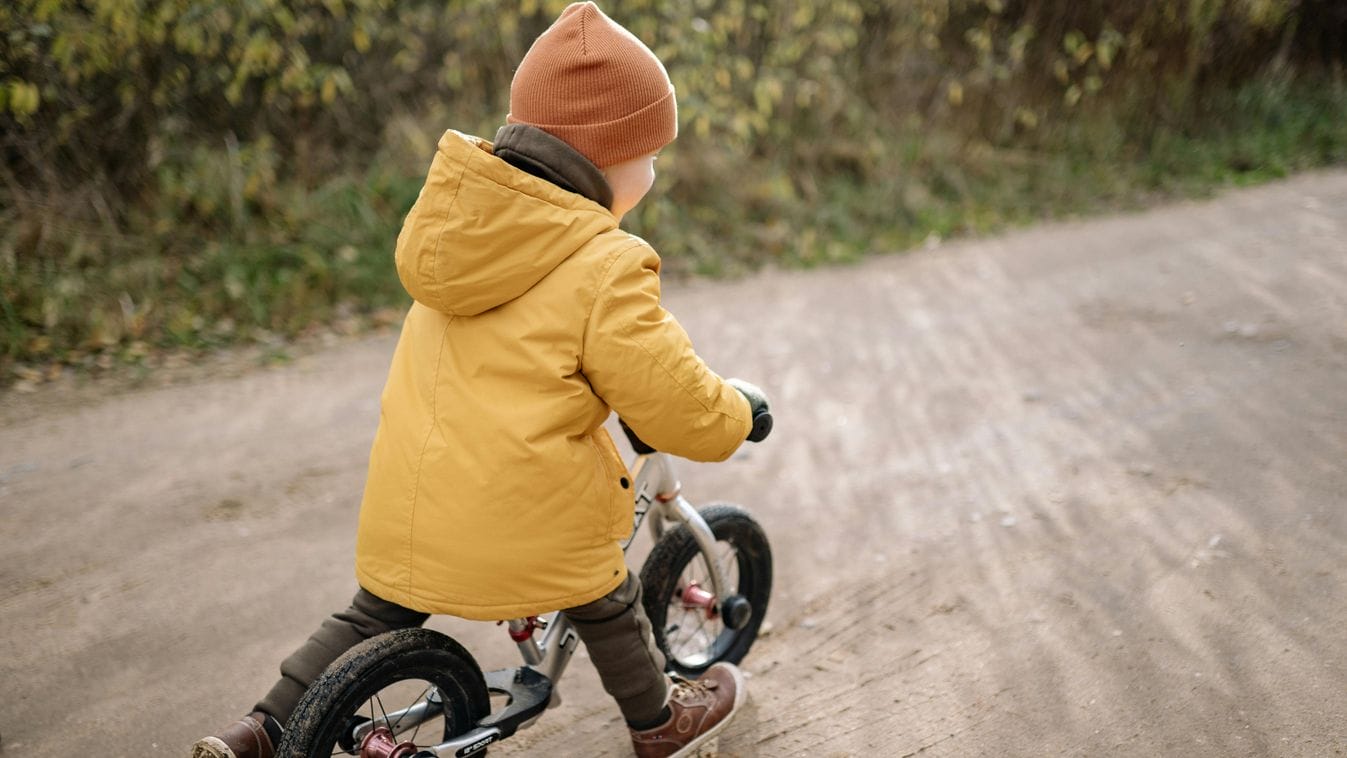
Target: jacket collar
[{"x": 536, "y": 152}]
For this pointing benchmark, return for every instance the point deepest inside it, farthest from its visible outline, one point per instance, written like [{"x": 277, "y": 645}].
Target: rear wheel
[
  {"x": 384, "y": 675},
  {"x": 692, "y": 625}
]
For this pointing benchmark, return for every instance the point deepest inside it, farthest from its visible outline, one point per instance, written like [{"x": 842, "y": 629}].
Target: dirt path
[{"x": 1076, "y": 490}]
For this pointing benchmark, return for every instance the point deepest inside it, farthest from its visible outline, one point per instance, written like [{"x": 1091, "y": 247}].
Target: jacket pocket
[{"x": 616, "y": 486}]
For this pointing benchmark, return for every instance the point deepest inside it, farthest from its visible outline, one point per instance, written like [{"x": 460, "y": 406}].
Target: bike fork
[{"x": 681, "y": 510}]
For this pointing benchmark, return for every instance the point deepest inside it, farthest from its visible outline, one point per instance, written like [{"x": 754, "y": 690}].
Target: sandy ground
[{"x": 1076, "y": 490}]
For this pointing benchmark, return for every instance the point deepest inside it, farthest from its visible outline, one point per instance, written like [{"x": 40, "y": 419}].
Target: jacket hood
[{"x": 483, "y": 232}]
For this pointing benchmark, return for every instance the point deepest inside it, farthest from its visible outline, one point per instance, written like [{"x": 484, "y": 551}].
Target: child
[{"x": 493, "y": 490}]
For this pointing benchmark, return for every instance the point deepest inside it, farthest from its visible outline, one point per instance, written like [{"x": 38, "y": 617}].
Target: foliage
[{"x": 195, "y": 172}]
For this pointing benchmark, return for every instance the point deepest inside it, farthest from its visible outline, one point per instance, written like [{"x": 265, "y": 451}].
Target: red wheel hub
[
  {"x": 695, "y": 597},
  {"x": 381, "y": 743}
]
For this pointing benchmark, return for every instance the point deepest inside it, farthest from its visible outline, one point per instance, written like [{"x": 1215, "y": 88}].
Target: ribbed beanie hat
[{"x": 591, "y": 83}]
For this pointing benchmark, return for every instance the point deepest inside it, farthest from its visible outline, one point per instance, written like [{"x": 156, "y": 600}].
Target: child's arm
[{"x": 641, "y": 362}]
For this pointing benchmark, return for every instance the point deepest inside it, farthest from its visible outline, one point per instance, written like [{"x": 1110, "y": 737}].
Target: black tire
[
  {"x": 405, "y": 659},
  {"x": 676, "y": 560}
]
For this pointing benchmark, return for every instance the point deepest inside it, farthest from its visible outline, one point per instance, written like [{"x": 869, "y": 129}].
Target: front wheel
[
  {"x": 692, "y": 626},
  {"x": 386, "y": 675}
]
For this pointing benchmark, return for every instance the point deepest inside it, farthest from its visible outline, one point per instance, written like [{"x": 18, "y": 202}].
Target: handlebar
[
  {"x": 636, "y": 444},
  {"x": 762, "y": 426}
]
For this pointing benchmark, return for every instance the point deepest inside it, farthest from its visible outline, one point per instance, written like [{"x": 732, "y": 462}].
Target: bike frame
[{"x": 658, "y": 502}]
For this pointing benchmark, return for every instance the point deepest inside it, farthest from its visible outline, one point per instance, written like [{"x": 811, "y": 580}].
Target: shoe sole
[
  {"x": 211, "y": 747},
  {"x": 740, "y": 693}
]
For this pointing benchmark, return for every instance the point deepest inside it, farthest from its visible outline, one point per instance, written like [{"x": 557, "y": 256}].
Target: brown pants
[{"x": 614, "y": 628}]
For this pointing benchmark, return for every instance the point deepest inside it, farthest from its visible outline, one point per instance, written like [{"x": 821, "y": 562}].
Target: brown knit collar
[{"x": 536, "y": 152}]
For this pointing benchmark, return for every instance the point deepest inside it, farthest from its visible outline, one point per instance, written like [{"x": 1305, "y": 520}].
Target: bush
[{"x": 200, "y": 171}]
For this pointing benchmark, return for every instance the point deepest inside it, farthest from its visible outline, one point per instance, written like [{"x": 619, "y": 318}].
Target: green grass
[
  {"x": 216, "y": 259},
  {"x": 312, "y": 257}
]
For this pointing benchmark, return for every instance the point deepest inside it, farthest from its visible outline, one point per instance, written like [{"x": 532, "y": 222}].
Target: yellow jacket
[{"x": 493, "y": 490}]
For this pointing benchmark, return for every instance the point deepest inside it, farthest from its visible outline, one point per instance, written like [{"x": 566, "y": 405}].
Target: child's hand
[{"x": 758, "y": 406}]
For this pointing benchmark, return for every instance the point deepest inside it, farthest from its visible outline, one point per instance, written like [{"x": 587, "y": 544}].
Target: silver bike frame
[{"x": 658, "y": 497}]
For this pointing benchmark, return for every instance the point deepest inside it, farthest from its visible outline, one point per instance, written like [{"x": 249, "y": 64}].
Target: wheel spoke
[
  {"x": 424, "y": 694},
  {"x": 697, "y": 645},
  {"x": 382, "y": 710},
  {"x": 394, "y": 726},
  {"x": 726, "y": 562}
]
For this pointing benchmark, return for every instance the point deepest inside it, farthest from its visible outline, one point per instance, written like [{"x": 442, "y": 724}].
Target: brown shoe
[
  {"x": 245, "y": 738},
  {"x": 700, "y": 710}
]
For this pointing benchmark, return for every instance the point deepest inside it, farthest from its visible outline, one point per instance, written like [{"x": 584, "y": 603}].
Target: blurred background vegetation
[{"x": 195, "y": 173}]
